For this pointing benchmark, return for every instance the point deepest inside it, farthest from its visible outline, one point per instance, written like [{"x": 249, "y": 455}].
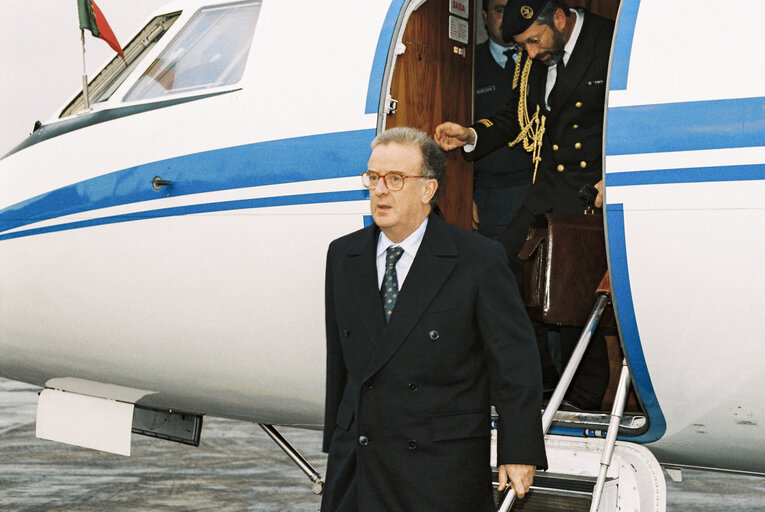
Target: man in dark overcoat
[
  {"x": 425, "y": 329},
  {"x": 567, "y": 54}
]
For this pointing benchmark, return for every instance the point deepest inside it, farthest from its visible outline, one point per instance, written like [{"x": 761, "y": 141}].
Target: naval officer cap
[{"x": 519, "y": 15}]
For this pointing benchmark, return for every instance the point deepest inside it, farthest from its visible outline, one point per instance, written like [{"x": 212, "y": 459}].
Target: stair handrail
[{"x": 604, "y": 294}]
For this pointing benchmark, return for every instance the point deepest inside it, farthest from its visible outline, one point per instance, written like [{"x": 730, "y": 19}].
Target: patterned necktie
[{"x": 390, "y": 280}]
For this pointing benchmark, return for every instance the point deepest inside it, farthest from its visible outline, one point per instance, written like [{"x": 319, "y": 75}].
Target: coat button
[
  {"x": 578, "y": 145},
  {"x": 578, "y": 104},
  {"x": 582, "y": 164},
  {"x": 433, "y": 335},
  {"x": 346, "y": 332},
  {"x": 555, "y": 147},
  {"x": 575, "y": 127},
  {"x": 412, "y": 387},
  {"x": 369, "y": 384},
  {"x": 561, "y": 167},
  {"x": 363, "y": 441},
  {"x": 412, "y": 444}
]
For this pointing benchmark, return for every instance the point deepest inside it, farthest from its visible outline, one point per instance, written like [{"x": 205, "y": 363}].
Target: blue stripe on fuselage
[
  {"x": 316, "y": 157},
  {"x": 691, "y": 126},
  {"x": 264, "y": 202},
  {"x": 374, "y": 91},
  {"x": 625, "y": 310},
  {"x": 687, "y": 175},
  {"x": 625, "y": 33}
]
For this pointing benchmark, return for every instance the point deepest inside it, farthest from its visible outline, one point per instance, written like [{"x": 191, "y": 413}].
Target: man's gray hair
[
  {"x": 546, "y": 15},
  {"x": 433, "y": 158}
]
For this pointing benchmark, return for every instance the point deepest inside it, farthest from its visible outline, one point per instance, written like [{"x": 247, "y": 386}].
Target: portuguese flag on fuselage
[{"x": 91, "y": 18}]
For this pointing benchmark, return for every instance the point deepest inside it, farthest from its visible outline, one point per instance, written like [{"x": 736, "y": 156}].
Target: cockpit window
[
  {"x": 111, "y": 77},
  {"x": 210, "y": 51}
]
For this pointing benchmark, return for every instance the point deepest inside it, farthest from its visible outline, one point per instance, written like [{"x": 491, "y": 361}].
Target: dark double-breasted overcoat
[{"x": 407, "y": 422}]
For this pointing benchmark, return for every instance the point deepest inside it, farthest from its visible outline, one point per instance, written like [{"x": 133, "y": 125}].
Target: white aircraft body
[{"x": 164, "y": 248}]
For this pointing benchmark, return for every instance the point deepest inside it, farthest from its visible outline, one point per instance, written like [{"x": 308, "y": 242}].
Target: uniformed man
[
  {"x": 556, "y": 112},
  {"x": 500, "y": 178}
]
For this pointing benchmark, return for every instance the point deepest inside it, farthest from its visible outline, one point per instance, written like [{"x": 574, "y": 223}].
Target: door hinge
[{"x": 391, "y": 106}]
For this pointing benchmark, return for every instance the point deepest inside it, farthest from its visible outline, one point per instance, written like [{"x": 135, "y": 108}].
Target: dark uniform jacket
[
  {"x": 506, "y": 167},
  {"x": 573, "y": 141},
  {"x": 407, "y": 423}
]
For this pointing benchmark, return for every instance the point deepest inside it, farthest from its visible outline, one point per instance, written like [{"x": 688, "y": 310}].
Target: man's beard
[{"x": 556, "y": 50}]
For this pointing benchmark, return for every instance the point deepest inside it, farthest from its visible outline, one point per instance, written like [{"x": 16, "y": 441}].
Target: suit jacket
[
  {"x": 573, "y": 141},
  {"x": 407, "y": 420}
]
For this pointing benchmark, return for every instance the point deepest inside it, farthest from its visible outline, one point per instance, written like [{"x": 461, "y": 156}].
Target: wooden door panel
[{"x": 433, "y": 83}]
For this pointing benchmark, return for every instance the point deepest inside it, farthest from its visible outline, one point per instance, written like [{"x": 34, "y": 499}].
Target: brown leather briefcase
[{"x": 565, "y": 257}]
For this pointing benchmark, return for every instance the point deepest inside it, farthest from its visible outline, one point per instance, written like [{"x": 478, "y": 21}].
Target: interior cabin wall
[{"x": 433, "y": 82}]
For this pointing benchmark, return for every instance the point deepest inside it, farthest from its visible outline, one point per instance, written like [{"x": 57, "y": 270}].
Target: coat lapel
[
  {"x": 572, "y": 74},
  {"x": 434, "y": 262},
  {"x": 361, "y": 269}
]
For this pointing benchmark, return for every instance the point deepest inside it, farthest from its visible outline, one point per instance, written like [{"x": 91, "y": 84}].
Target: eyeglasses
[
  {"x": 393, "y": 180},
  {"x": 532, "y": 41}
]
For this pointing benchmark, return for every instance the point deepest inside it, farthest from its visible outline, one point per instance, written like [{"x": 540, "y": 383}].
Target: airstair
[{"x": 599, "y": 473}]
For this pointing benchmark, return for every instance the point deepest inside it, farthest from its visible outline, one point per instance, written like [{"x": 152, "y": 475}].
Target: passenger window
[{"x": 209, "y": 52}]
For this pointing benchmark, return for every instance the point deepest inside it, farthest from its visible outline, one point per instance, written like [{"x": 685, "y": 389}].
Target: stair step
[
  {"x": 547, "y": 501},
  {"x": 555, "y": 493}
]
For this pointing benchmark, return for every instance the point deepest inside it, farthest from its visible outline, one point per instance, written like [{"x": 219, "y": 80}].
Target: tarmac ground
[{"x": 236, "y": 468}]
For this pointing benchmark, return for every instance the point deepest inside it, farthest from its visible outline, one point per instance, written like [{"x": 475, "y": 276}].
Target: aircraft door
[{"x": 432, "y": 82}]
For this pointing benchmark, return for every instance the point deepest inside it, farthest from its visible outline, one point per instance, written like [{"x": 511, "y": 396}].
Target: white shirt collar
[
  {"x": 578, "y": 22},
  {"x": 410, "y": 244},
  {"x": 498, "y": 52}
]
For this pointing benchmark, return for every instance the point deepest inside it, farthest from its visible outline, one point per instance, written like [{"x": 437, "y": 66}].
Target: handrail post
[
  {"x": 292, "y": 453},
  {"x": 613, "y": 431}
]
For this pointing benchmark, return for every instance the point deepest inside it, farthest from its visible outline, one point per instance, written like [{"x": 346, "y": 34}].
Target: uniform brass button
[
  {"x": 413, "y": 387},
  {"x": 578, "y": 145},
  {"x": 582, "y": 164},
  {"x": 578, "y": 104},
  {"x": 561, "y": 167},
  {"x": 575, "y": 127},
  {"x": 434, "y": 335},
  {"x": 555, "y": 147},
  {"x": 412, "y": 444},
  {"x": 363, "y": 440}
]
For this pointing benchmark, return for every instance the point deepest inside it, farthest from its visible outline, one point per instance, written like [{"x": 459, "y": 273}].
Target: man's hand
[
  {"x": 452, "y": 135},
  {"x": 476, "y": 219},
  {"x": 599, "y": 197},
  {"x": 519, "y": 476}
]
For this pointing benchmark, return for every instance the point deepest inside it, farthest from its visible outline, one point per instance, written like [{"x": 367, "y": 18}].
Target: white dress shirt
[
  {"x": 410, "y": 244},
  {"x": 552, "y": 71}
]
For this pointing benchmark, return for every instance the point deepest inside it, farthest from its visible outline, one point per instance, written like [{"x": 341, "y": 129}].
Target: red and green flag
[{"x": 91, "y": 18}]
